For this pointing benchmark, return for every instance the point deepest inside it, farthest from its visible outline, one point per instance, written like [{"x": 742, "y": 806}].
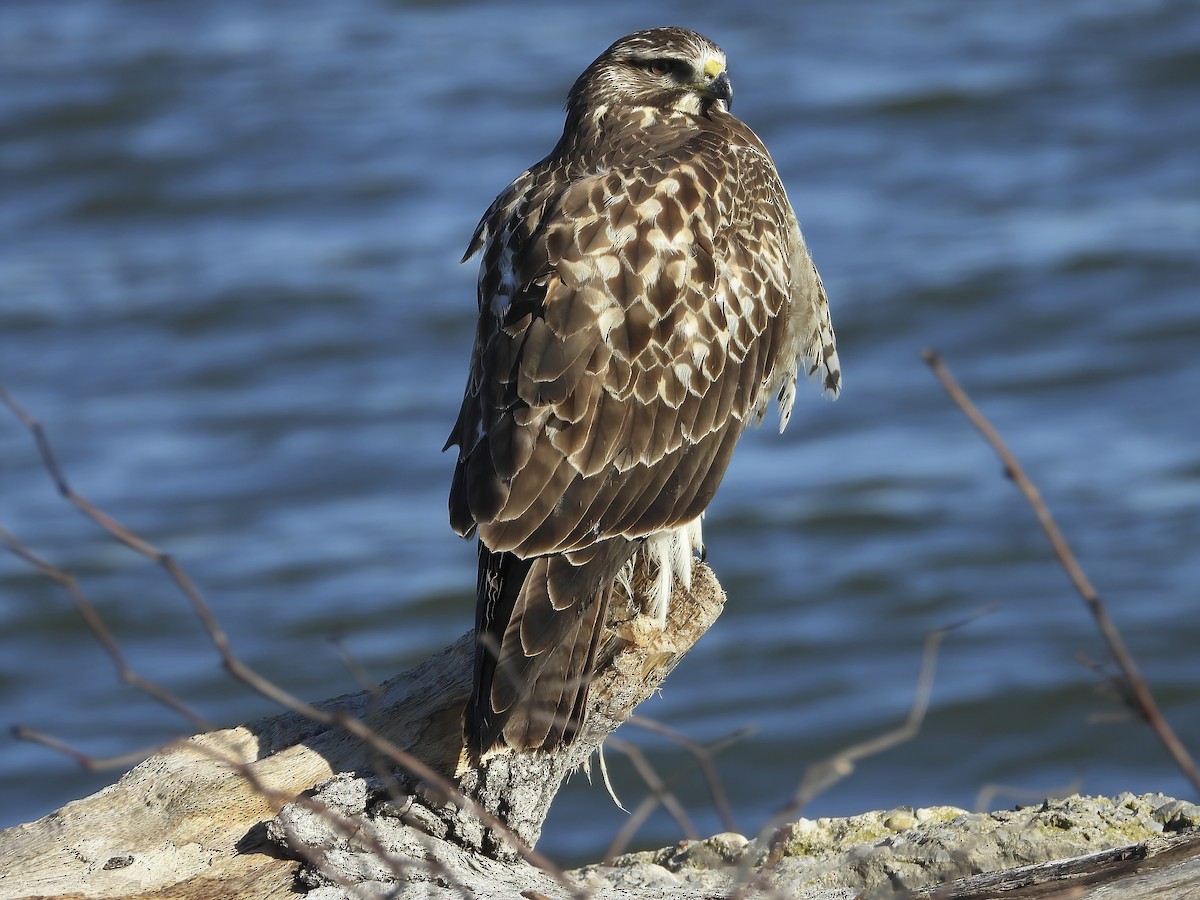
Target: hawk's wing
[{"x": 631, "y": 324}]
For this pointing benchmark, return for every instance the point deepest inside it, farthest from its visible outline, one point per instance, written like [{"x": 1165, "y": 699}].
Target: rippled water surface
[{"x": 229, "y": 288}]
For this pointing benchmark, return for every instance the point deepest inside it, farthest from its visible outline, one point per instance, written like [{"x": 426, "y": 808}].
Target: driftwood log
[
  {"x": 288, "y": 806},
  {"x": 1076, "y": 848},
  {"x": 193, "y": 820}
]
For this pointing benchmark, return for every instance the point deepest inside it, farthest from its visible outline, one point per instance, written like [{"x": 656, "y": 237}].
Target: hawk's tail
[{"x": 538, "y": 624}]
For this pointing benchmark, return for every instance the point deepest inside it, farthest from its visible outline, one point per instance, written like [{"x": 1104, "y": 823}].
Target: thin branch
[
  {"x": 989, "y": 792},
  {"x": 1139, "y": 689},
  {"x": 704, "y": 758},
  {"x": 234, "y": 665},
  {"x": 84, "y": 761},
  {"x": 359, "y": 672},
  {"x": 94, "y": 622},
  {"x": 704, "y": 754},
  {"x": 820, "y": 776},
  {"x": 625, "y": 833},
  {"x": 824, "y": 774},
  {"x": 659, "y": 794}
]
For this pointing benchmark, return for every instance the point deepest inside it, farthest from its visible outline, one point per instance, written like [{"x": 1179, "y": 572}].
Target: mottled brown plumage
[{"x": 644, "y": 290}]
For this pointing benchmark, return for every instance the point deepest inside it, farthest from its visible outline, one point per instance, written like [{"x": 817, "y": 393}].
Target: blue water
[{"x": 229, "y": 288}]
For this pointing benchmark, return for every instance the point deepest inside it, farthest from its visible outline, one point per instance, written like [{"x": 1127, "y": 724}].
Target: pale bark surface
[
  {"x": 188, "y": 823},
  {"x": 1075, "y": 848},
  {"x": 218, "y": 816}
]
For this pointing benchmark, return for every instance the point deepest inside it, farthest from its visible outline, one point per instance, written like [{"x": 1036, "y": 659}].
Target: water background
[{"x": 229, "y": 287}]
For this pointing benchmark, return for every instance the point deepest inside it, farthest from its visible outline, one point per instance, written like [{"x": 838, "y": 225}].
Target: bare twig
[
  {"x": 659, "y": 788},
  {"x": 1138, "y": 688},
  {"x": 820, "y": 776},
  {"x": 100, "y": 630},
  {"x": 824, "y": 774},
  {"x": 95, "y": 764},
  {"x": 704, "y": 758},
  {"x": 230, "y": 661},
  {"x": 358, "y": 670},
  {"x": 659, "y": 794},
  {"x": 86, "y": 762},
  {"x": 989, "y": 792}
]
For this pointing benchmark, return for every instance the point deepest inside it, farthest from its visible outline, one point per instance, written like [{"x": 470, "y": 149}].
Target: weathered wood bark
[
  {"x": 1165, "y": 868},
  {"x": 190, "y": 822},
  {"x": 261, "y": 811},
  {"x": 1073, "y": 848}
]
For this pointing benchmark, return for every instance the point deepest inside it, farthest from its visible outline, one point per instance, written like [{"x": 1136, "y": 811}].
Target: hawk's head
[{"x": 664, "y": 68}]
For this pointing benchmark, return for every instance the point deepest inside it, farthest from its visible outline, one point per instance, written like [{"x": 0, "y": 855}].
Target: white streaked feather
[{"x": 671, "y": 554}]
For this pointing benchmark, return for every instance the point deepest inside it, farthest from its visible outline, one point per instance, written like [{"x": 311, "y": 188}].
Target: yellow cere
[{"x": 714, "y": 67}]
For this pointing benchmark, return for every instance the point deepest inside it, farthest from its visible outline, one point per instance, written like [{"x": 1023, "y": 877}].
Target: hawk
[{"x": 643, "y": 292}]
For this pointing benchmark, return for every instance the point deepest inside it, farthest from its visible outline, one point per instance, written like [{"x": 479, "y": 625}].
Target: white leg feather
[{"x": 671, "y": 553}]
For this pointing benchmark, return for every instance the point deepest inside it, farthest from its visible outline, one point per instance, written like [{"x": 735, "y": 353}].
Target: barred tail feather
[{"x": 538, "y": 627}]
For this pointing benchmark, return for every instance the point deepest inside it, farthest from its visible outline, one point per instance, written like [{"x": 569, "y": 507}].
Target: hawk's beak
[{"x": 720, "y": 88}]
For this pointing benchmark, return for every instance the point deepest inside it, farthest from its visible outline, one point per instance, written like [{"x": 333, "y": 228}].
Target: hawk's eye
[{"x": 661, "y": 67}]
